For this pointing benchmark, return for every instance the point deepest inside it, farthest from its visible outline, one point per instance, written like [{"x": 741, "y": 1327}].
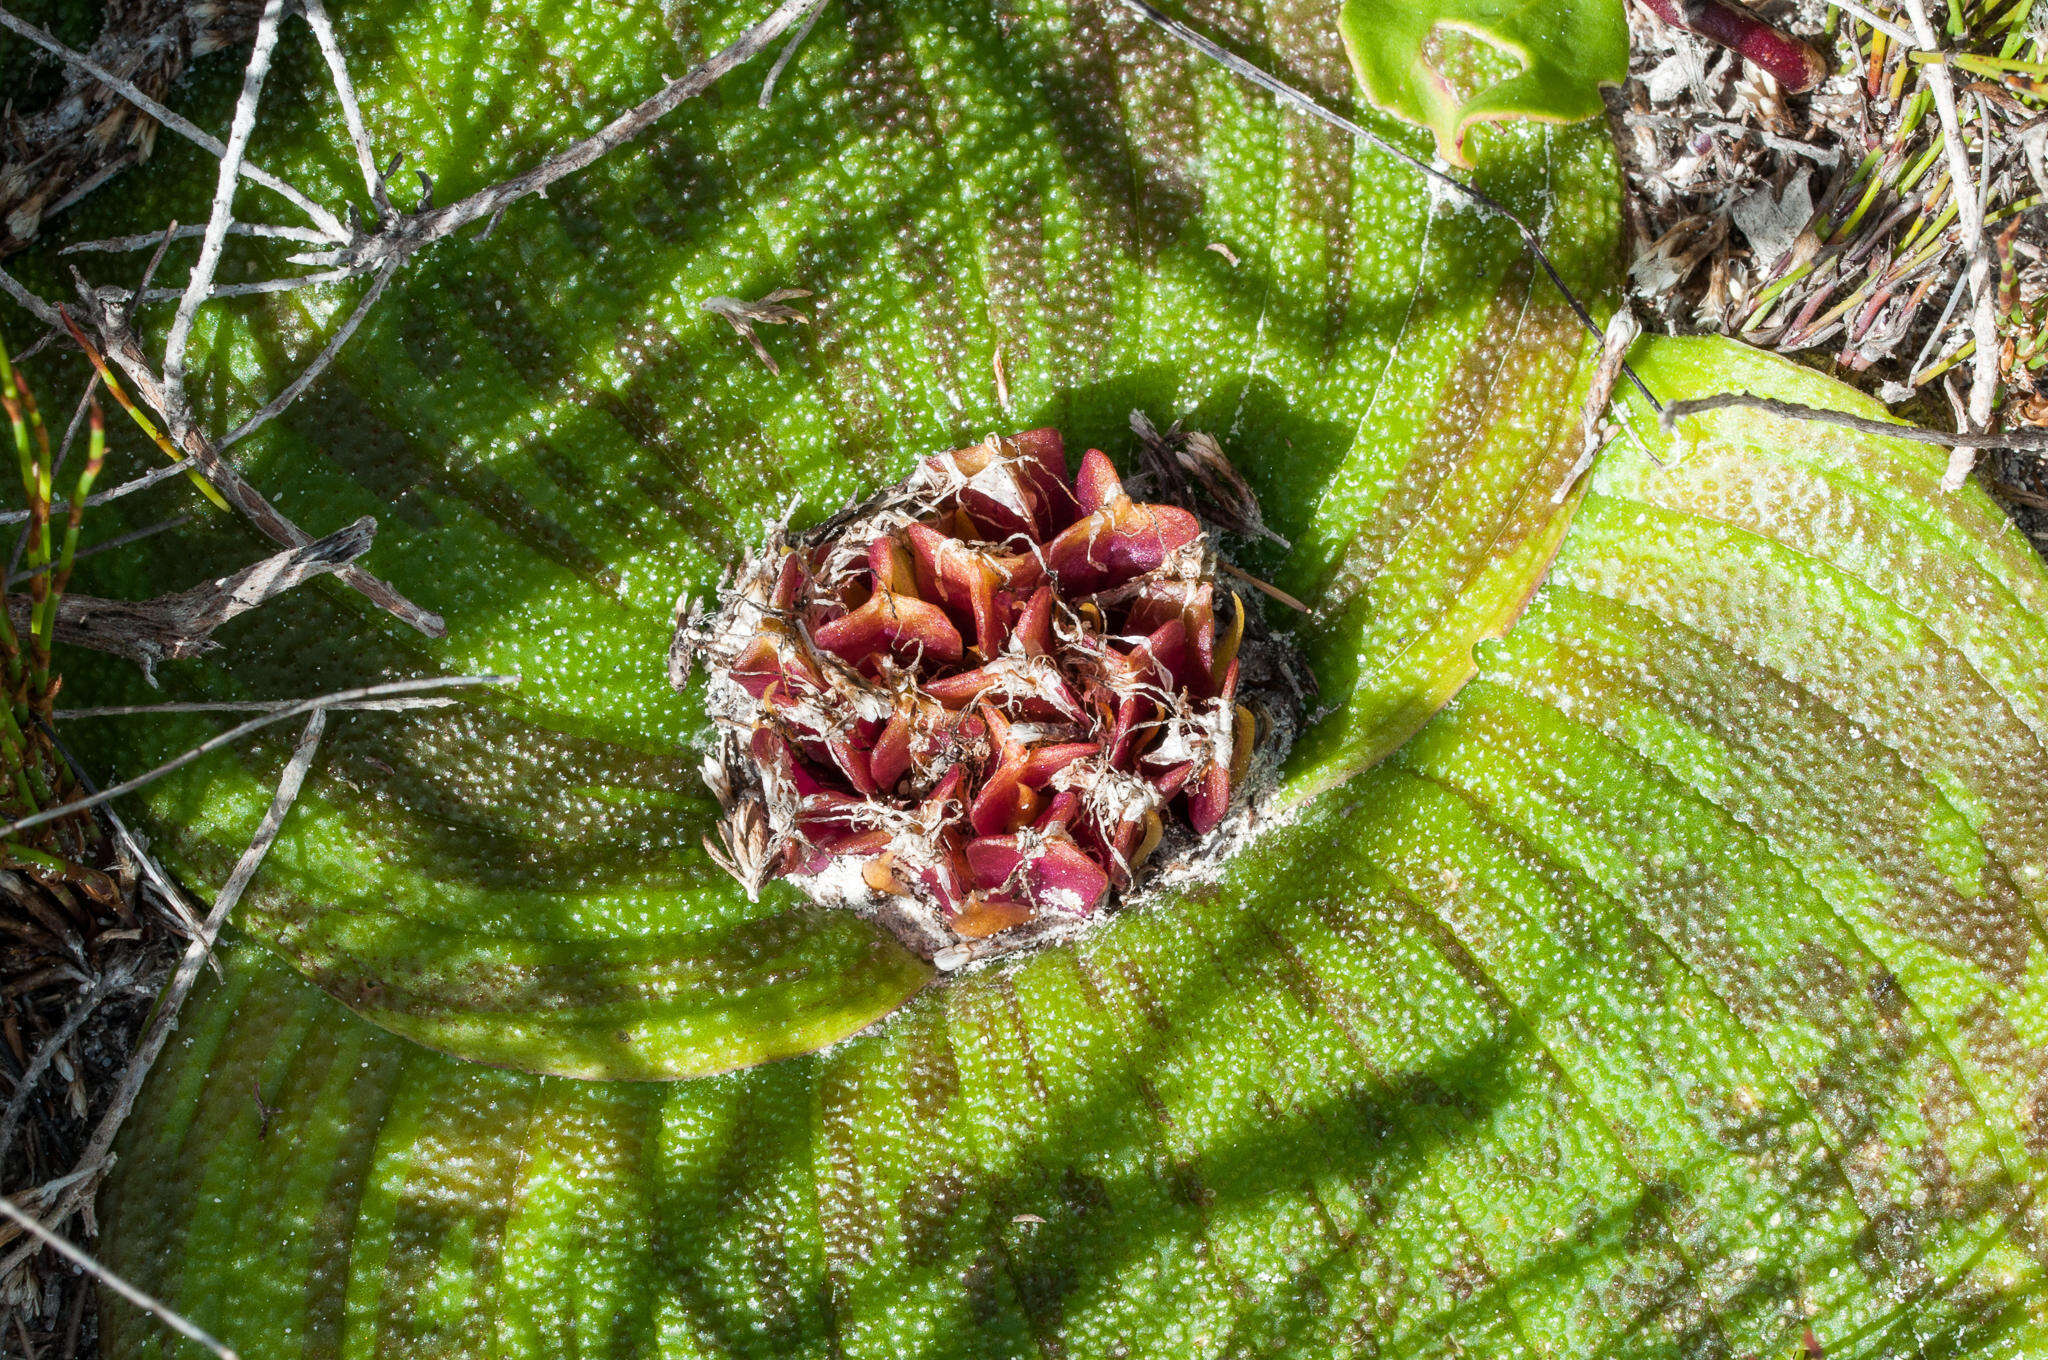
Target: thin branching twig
[
  {"x": 289, "y": 283},
  {"x": 235, "y": 734},
  {"x": 247, "y": 706},
  {"x": 788, "y": 53},
  {"x": 1306, "y": 103},
  {"x": 297, "y": 387},
  {"x": 381, "y": 251},
  {"x": 2028, "y": 441},
  {"x": 288, "y": 786},
  {"x": 126, "y": 352},
  {"x": 200, "y": 282},
  {"x": 116, "y": 245},
  {"x": 28, "y": 301},
  {"x": 180, "y": 625},
  {"x": 1969, "y": 202},
  {"x": 314, "y": 12},
  {"x": 177, "y": 123},
  {"x": 412, "y": 232},
  {"x": 169, "y": 1316}
]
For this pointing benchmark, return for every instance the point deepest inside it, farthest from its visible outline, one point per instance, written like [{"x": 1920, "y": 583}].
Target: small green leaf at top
[{"x": 1447, "y": 64}]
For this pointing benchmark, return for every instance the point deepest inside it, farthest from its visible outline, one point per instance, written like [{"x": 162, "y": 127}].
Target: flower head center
[{"x": 980, "y": 704}]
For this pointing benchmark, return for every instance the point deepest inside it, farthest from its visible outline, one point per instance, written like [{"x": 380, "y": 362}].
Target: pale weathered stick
[
  {"x": 382, "y": 250},
  {"x": 184, "y": 127},
  {"x": 29, "y": 302},
  {"x": 314, "y": 12},
  {"x": 235, "y": 734},
  {"x": 1963, "y": 188},
  {"x": 200, "y": 282},
  {"x": 179, "y": 626},
  {"x": 789, "y": 48},
  {"x": 126, "y": 352},
  {"x": 288, "y": 786},
  {"x": 1884, "y": 26},
  {"x": 106, "y": 545},
  {"x": 417, "y": 230},
  {"x": 298, "y": 385},
  {"x": 170, "y": 1317},
  {"x": 290, "y": 283},
  {"x": 247, "y": 706},
  {"x": 2023, "y": 441}
]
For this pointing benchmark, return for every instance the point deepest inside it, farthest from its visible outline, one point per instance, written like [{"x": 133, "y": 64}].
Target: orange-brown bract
[{"x": 990, "y": 692}]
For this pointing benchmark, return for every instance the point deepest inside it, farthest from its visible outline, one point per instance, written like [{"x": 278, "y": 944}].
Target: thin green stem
[{"x": 95, "y": 459}]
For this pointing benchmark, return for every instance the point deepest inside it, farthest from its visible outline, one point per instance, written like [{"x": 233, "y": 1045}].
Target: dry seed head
[{"x": 990, "y": 701}]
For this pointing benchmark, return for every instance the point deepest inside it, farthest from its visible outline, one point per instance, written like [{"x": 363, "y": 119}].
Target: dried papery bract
[{"x": 989, "y": 702}]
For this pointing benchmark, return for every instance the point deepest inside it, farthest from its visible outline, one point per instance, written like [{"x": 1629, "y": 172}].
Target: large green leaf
[
  {"x": 1671, "y": 994},
  {"x": 558, "y": 441}
]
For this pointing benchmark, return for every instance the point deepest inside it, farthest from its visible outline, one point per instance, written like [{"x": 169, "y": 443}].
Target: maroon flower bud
[{"x": 988, "y": 701}]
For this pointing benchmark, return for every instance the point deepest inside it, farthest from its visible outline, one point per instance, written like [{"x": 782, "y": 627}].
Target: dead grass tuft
[{"x": 1885, "y": 227}]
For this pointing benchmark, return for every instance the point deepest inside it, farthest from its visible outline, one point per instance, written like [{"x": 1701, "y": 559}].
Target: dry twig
[
  {"x": 144, "y": 863},
  {"x": 772, "y": 310},
  {"x": 1303, "y": 102},
  {"x": 235, "y": 734},
  {"x": 125, "y": 350},
  {"x": 1622, "y": 330},
  {"x": 288, "y": 786},
  {"x": 177, "y": 123},
  {"x": 171, "y": 1318},
  {"x": 396, "y": 238},
  {"x": 114, "y": 245},
  {"x": 789, "y": 48},
  {"x": 2028, "y": 441},
  {"x": 297, "y": 386},
  {"x": 1969, "y": 200},
  {"x": 179, "y": 626},
  {"x": 315, "y": 14},
  {"x": 199, "y": 285}
]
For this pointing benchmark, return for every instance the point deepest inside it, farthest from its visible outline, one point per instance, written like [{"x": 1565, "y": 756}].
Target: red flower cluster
[{"x": 989, "y": 692}]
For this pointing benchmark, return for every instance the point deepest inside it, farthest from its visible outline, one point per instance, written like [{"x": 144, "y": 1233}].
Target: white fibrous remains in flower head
[{"x": 988, "y": 702}]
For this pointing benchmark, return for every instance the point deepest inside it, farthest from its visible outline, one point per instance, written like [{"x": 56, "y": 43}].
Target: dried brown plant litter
[{"x": 1829, "y": 225}]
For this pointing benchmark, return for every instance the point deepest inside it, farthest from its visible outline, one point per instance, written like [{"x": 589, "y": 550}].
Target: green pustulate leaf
[
  {"x": 1448, "y": 64},
  {"x": 1669, "y": 993},
  {"x": 1672, "y": 992},
  {"x": 557, "y": 442}
]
